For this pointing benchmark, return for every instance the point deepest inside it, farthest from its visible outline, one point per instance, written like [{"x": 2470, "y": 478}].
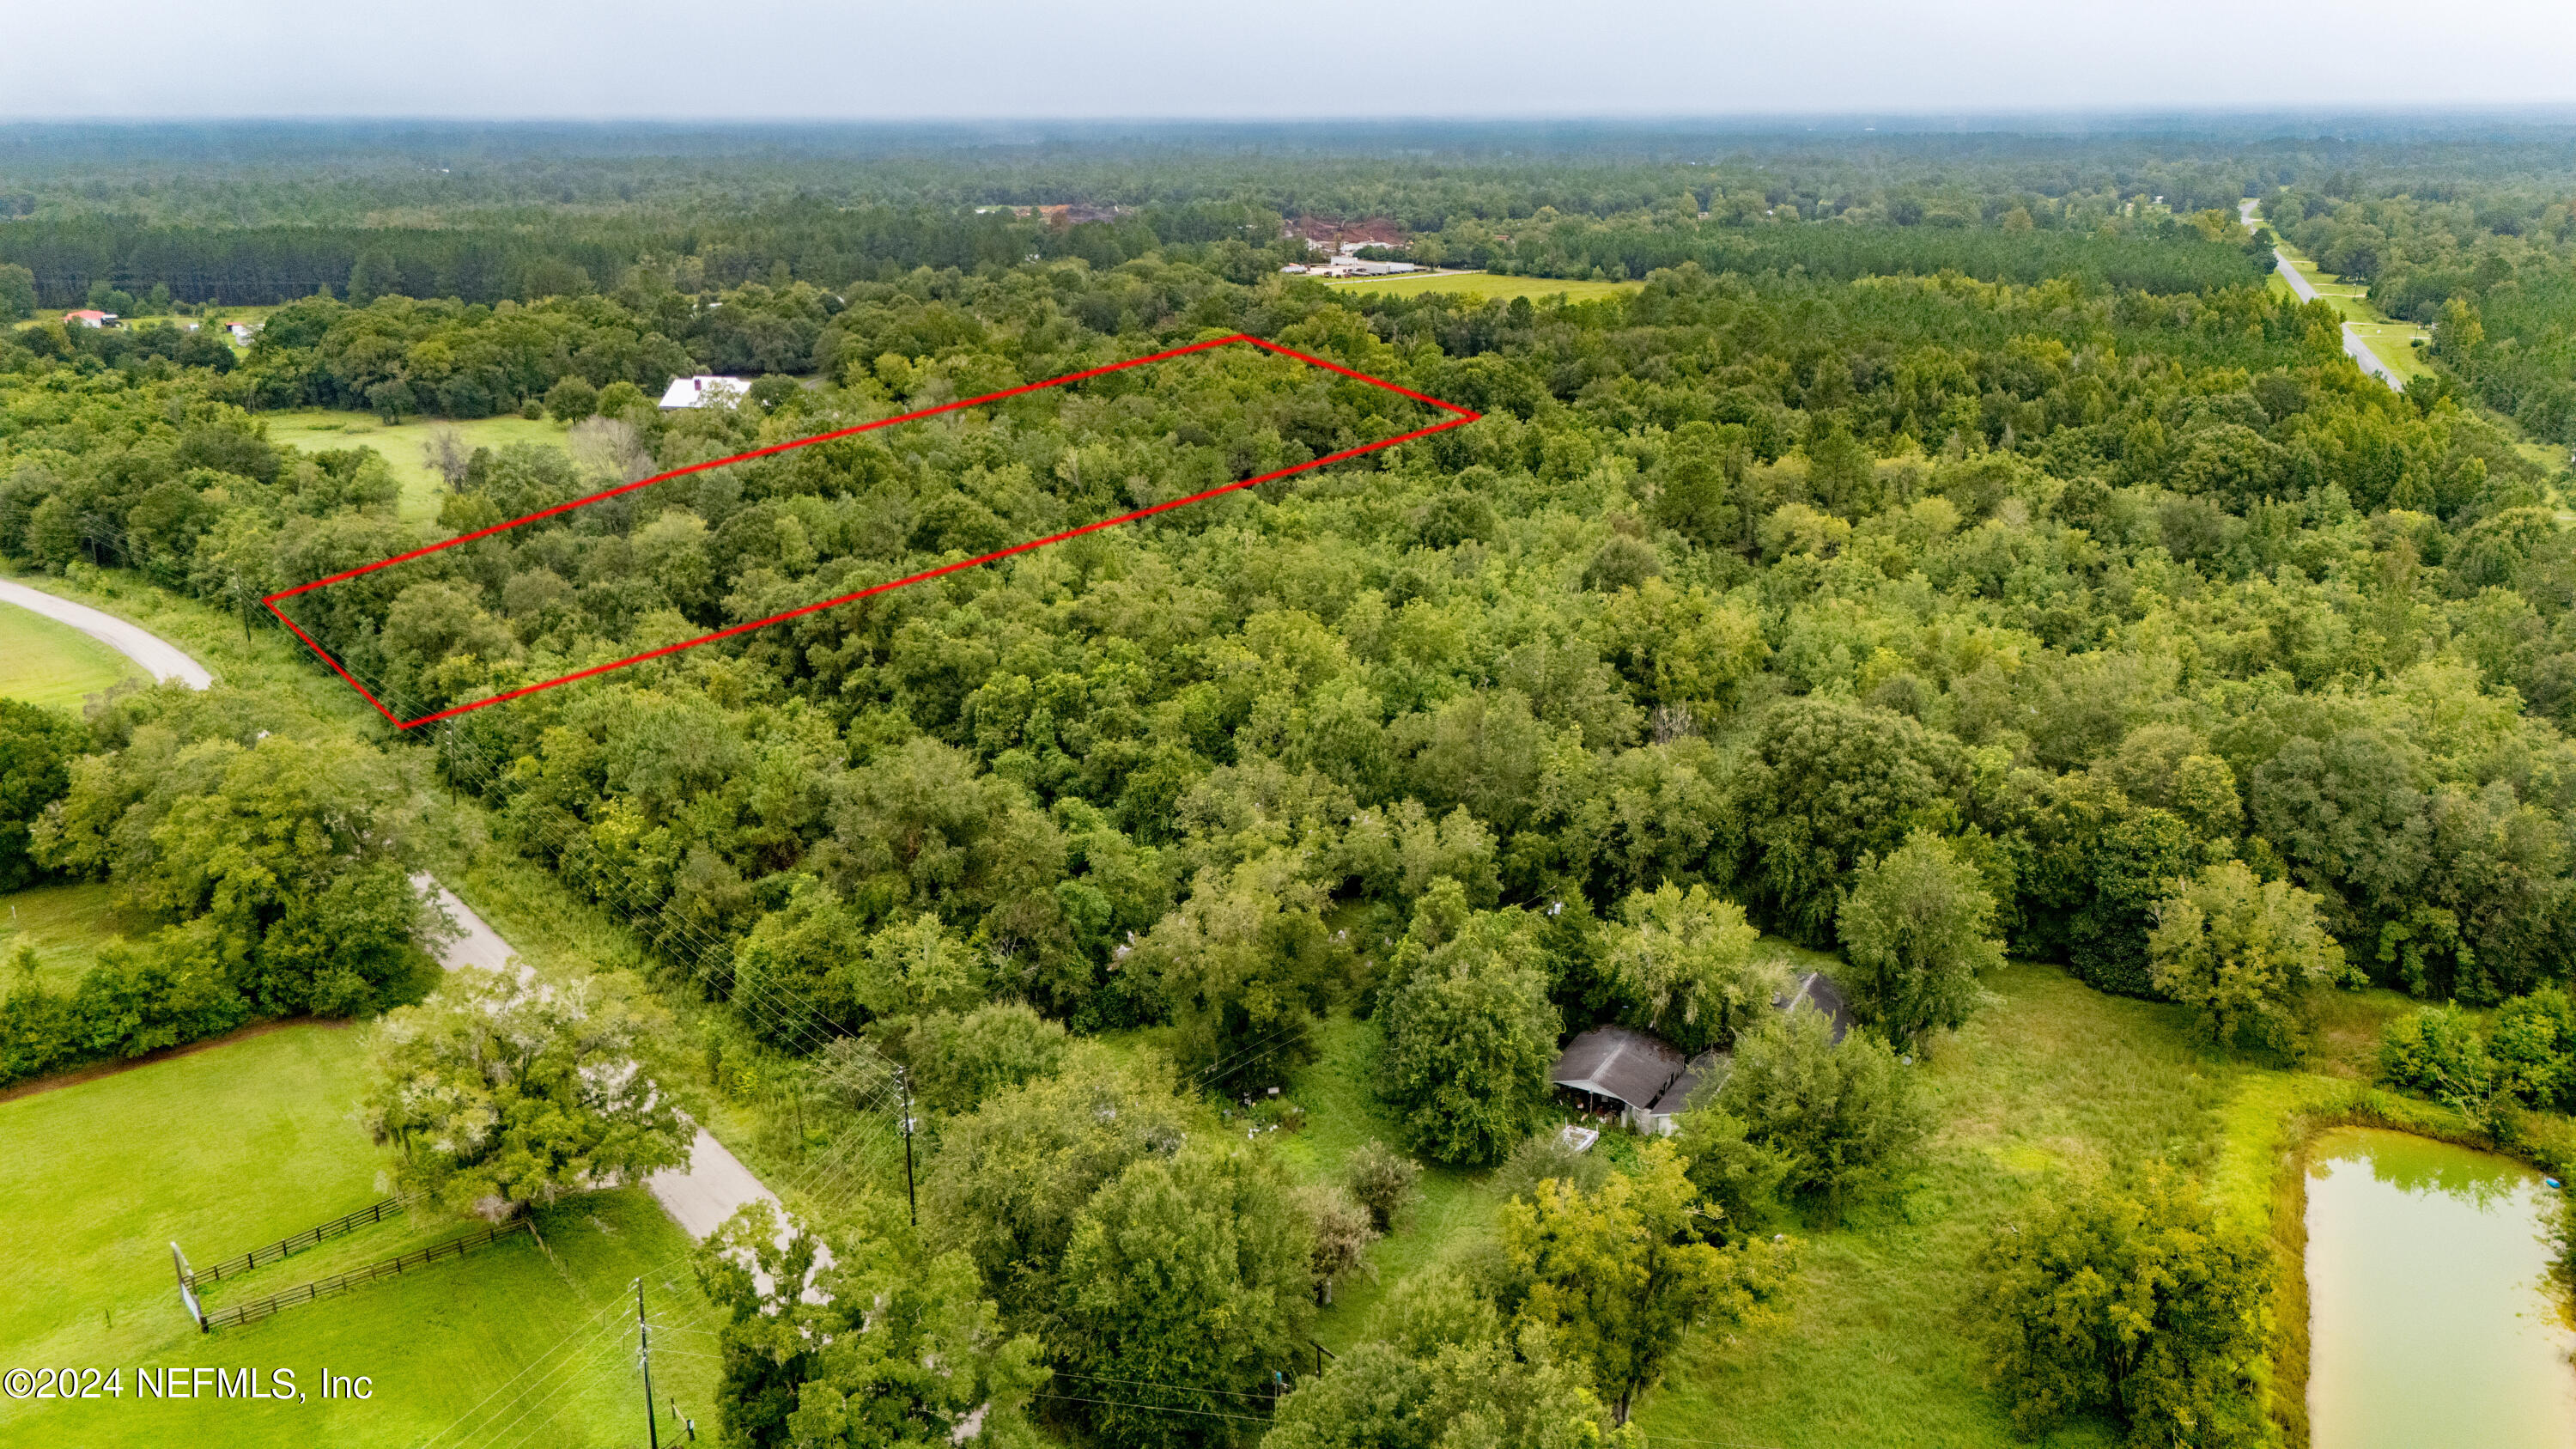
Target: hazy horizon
[{"x": 1146, "y": 60}]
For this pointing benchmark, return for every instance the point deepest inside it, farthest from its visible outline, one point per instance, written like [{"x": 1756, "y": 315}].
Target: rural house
[
  {"x": 1618, "y": 1071},
  {"x": 699, "y": 391},
  {"x": 1645, "y": 1081},
  {"x": 89, "y": 317}
]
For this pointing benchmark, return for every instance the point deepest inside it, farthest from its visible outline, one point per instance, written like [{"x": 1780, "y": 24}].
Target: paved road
[
  {"x": 479, "y": 945},
  {"x": 2352, "y": 341},
  {"x": 159, "y": 657},
  {"x": 698, "y": 1197},
  {"x": 2353, "y": 345}
]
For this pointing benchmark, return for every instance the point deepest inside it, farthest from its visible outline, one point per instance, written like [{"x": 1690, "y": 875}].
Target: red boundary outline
[{"x": 1461, "y": 417}]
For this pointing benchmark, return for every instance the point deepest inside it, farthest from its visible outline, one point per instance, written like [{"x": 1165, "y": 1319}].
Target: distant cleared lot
[
  {"x": 1483, "y": 285},
  {"x": 318, "y": 430}
]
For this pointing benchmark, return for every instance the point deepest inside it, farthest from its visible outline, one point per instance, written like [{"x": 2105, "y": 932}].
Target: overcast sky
[{"x": 924, "y": 59}]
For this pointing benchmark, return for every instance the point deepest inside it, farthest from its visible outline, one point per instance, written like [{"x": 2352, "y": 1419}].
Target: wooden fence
[
  {"x": 283, "y": 1247},
  {"x": 259, "y": 1308}
]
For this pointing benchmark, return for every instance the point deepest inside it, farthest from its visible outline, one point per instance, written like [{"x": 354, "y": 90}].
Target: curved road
[
  {"x": 699, "y": 1197},
  {"x": 158, "y": 656}
]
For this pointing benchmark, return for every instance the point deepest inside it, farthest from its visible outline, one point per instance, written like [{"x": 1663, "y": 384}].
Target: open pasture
[{"x": 242, "y": 1145}]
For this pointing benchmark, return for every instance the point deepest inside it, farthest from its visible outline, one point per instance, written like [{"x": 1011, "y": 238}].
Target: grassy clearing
[
  {"x": 1876, "y": 1348},
  {"x": 2053, "y": 1078},
  {"x": 1486, "y": 286},
  {"x": 316, "y": 430},
  {"x": 245, "y": 1144},
  {"x": 66, "y": 924},
  {"x": 1339, "y": 1094},
  {"x": 53, "y": 664}
]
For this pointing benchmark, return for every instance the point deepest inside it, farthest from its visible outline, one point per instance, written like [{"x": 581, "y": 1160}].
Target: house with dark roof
[
  {"x": 1617, "y": 1070},
  {"x": 1645, "y": 1081},
  {"x": 1817, "y": 991}
]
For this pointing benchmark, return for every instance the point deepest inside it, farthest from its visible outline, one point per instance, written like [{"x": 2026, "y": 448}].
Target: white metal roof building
[{"x": 705, "y": 388}]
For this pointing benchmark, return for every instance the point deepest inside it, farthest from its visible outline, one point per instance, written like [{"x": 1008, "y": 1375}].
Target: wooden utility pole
[
  {"x": 903, "y": 1081},
  {"x": 644, "y": 1349}
]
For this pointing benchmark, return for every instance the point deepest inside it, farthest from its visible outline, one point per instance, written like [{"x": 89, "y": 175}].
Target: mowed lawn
[
  {"x": 66, "y": 924},
  {"x": 53, "y": 664},
  {"x": 1486, "y": 286},
  {"x": 318, "y": 430},
  {"x": 255, "y": 1140}
]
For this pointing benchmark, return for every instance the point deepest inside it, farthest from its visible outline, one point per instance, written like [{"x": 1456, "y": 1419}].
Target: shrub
[
  {"x": 1841, "y": 1116},
  {"x": 572, "y": 399},
  {"x": 1385, "y": 1181},
  {"x": 2533, "y": 1048},
  {"x": 1547, "y": 1156},
  {"x": 2132, "y": 1302},
  {"x": 2435, "y": 1053},
  {"x": 958, "y": 1061}
]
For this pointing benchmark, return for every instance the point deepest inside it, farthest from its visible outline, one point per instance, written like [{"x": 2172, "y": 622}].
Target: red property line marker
[{"x": 1461, "y": 416}]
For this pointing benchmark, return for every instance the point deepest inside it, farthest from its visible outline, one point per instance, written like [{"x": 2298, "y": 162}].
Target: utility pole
[
  {"x": 644, "y": 1348},
  {"x": 903, "y": 1082}
]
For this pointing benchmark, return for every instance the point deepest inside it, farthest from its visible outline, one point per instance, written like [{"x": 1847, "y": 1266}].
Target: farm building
[
  {"x": 89, "y": 317},
  {"x": 242, "y": 332},
  {"x": 1818, "y": 990},
  {"x": 1645, "y": 1081},
  {"x": 699, "y": 391},
  {"x": 1617, "y": 1071}
]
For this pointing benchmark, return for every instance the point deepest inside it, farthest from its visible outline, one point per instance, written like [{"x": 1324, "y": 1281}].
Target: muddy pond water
[{"x": 2433, "y": 1320}]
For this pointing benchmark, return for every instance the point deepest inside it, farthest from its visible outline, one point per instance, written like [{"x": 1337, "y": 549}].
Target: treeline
[{"x": 250, "y": 266}]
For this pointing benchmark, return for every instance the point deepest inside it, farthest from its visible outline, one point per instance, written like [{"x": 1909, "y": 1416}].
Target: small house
[
  {"x": 89, "y": 317},
  {"x": 1645, "y": 1081},
  {"x": 1617, "y": 1071},
  {"x": 242, "y": 332},
  {"x": 1663, "y": 1116},
  {"x": 703, "y": 390}
]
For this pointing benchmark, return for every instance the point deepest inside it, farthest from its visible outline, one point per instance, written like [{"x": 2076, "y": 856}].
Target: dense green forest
[{"x": 1989, "y": 569}]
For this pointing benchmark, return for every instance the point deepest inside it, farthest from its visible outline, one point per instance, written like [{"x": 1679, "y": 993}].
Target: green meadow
[
  {"x": 65, "y": 924},
  {"x": 53, "y": 664},
  {"x": 1487, "y": 286},
  {"x": 405, "y": 446},
  {"x": 247, "y": 1143}
]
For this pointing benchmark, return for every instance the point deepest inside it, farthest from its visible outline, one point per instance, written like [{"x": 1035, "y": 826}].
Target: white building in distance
[{"x": 699, "y": 391}]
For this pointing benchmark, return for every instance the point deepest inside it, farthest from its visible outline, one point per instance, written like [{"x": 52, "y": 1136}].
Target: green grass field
[
  {"x": 316, "y": 429},
  {"x": 53, "y": 664},
  {"x": 66, "y": 924},
  {"x": 247, "y": 1143},
  {"x": 1344, "y": 1115},
  {"x": 1485, "y": 286}
]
